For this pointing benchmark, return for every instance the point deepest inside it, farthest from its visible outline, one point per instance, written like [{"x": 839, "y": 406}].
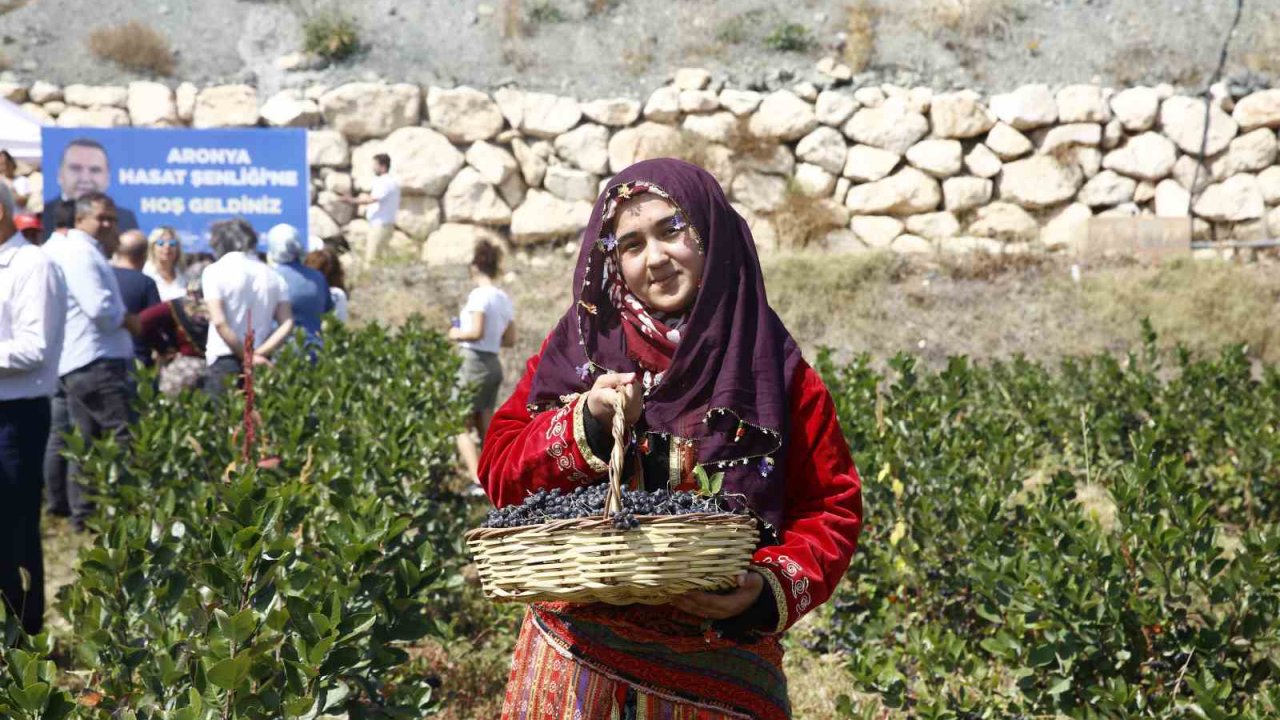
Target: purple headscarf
[{"x": 728, "y": 385}]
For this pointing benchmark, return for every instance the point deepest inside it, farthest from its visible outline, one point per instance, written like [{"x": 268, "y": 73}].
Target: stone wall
[{"x": 882, "y": 167}]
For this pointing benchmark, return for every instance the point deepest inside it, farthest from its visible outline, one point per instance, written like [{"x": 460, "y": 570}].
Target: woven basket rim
[{"x": 595, "y": 524}]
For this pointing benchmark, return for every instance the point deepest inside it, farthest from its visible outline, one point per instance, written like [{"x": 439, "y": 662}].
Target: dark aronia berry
[{"x": 587, "y": 501}]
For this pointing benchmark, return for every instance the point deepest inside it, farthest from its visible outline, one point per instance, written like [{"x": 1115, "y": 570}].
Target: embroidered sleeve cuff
[
  {"x": 774, "y": 587},
  {"x": 587, "y": 432}
]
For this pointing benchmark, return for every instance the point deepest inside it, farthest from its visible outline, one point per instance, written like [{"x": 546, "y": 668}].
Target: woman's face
[
  {"x": 167, "y": 250},
  {"x": 658, "y": 253}
]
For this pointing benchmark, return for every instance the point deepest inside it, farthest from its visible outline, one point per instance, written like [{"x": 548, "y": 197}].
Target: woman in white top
[
  {"x": 164, "y": 255},
  {"x": 486, "y": 323}
]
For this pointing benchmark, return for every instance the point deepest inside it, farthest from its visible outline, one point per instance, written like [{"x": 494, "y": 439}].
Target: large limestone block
[
  {"x": 1004, "y": 221},
  {"x": 892, "y": 126},
  {"x": 1259, "y": 109},
  {"x": 106, "y": 117},
  {"x": 825, "y": 148},
  {"x": 1149, "y": 156},
  {"x": 95, "y": 96},
  {"x": 320, "y": 224},
  {"x": 1071, "y": 134},
  {"x": 327, "y": 148},
  {"x": 939, "y": 158},
  {"x": 934, "y": 226},
  {"x": 966, "y": 193},
  {"x": 547, "y": 116},
  {"x": 833, "y": 107},
  {"x": 533, "y": 160},
  {"x": 1136, "y": 108},
  {"x": 1269, "y": 184},
  {"x": 422, "y": 160},
  {"x": 1067, "y": 228},
  {"x": 1040, "y": 181},
  {"x": 980, "y": 161},
  {"x": 1188, "y": 172},
  {"x": 758, "y": 191},
  {"x": 813, "y": 181},
  {"x": 877, "y": 231},
  {"x": 151, "y": 104},
  {"x": 698, "y": 101},
  {"x": 544, "y": 216},
  {"x": 463, "y": 114},
  {"x": 959, "y": 115},
  {"x": 586, "y": 147},
  {"x": 185, "y": 99},
  {"x": 42, "y": 92},
  {"x": 663, "y": 105},
  {"x": 868, "y": 164},
  {"x": 740, "y": 102},
  {"x": 782, "y": 116},
  {"x": 1252, "y": 152},
  {"x": 774, "y": 160},
  {"x": 469, "y": 199},
  {"x": 339, "y": 209},
  {"x": 1082, "y": 104},
  {"x": 363, "y": 110},
  {"x": 455, "y": 244},
  {"x": 288, "y": 108},
  {"x": 493, "y": 163},
  {"x": 1107, "y": 188},
  {"x": 718, "y": 127},
  {"x": 613, "y": 112},
  {"x": 907, "y": 192},
  {"x": 1172, "y": 200},
  {"x": 226, "y": 106},
  {"x": 1182, "y": 120},
  {"x": 1008, "y": 143},
  {"x": 1236, "y": 199},
  {"x": 419, "y": 216},
  {"x": 567, "y": 183},
  {"x": 643, "y": 142},
  {"x": 1030, "y": 106}
]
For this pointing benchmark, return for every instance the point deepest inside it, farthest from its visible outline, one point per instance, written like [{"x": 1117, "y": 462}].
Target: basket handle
[{"x": 613, "y": 501}]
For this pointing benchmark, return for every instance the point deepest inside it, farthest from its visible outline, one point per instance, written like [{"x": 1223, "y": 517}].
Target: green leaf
[
  {"x": 1059, "y": 687},
  {"x": 230, "y": 673}
]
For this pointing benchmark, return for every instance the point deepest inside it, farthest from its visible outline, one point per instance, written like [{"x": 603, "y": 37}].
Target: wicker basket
[{"x": 588, "y": 560}]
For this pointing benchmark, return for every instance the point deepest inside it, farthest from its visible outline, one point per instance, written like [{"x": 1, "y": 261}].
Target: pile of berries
[{"x": 588, "y": 502}]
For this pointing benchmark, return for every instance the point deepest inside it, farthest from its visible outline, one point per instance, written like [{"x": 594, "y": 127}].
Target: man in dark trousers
[
  {"x": 138, "y": 291},
  {"x": 33, "y": 297}
]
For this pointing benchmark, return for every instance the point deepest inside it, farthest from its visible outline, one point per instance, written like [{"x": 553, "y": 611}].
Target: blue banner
[{"x": 185, "y": 179}]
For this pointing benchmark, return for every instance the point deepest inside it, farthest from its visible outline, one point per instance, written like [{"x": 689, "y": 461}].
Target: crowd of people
[{"x": 84, "y": 309}]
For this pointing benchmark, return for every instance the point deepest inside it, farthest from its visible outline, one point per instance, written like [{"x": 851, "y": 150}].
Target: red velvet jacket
[{"x": 823, "y": 515}]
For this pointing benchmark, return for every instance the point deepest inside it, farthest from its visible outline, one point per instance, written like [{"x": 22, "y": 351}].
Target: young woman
[
  {"x": 485, "y": 324},
  {"x": 670, "y": 309},
  {"x": 164, "y": 263},
  {"x": 326, "y": 261},
  {"x": 177, "y": 331}
]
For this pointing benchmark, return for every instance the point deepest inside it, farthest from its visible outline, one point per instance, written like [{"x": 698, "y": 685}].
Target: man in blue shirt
[
  {"x": 308, "y": 289},
  {"x": 137, "y": 290}
]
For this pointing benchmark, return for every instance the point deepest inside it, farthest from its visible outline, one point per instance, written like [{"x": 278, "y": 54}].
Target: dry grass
[
  {"x": 134, "y": 46},
  {"x": 973, "y": 18},
  {"x": 860, "y": 37},
  {"x": 331, "y": 34},
  {"x": 806, "y": 220}
]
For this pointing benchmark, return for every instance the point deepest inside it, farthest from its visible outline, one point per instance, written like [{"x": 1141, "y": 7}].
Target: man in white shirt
[
  {"x": 384, "y": 202},
  {"x": 33, "y": 307},
  {"x": 241, "y": 293},
  {"x": 97, "y": 345}
]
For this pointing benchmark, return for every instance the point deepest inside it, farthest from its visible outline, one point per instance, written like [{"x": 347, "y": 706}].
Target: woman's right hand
[{"x": 601, "y": 395}]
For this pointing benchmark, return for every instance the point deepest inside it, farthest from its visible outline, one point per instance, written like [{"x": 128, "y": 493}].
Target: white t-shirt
[
  {"x": 244, "y": 284},
  {"x": 498, "y": 314},
  {"x": 387, "y": 193},
  {"x": 339, "y": 303},
  {"x": 168, "y": 290}
]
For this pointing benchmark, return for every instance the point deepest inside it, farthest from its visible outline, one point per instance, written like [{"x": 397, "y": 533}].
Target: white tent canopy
[{"x": 19, "y": 132}]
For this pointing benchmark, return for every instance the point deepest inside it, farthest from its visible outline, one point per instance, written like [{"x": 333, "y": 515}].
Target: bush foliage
[
  {"x": 1096, "y": 540},
  {"x": 1099, "y": 541}
]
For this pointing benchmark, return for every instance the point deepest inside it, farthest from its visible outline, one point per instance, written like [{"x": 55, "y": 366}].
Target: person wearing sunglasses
[{"x": 164, "y": 263}]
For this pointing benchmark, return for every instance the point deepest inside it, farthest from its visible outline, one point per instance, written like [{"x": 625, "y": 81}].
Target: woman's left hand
[{"x": 715, "y": 606}]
